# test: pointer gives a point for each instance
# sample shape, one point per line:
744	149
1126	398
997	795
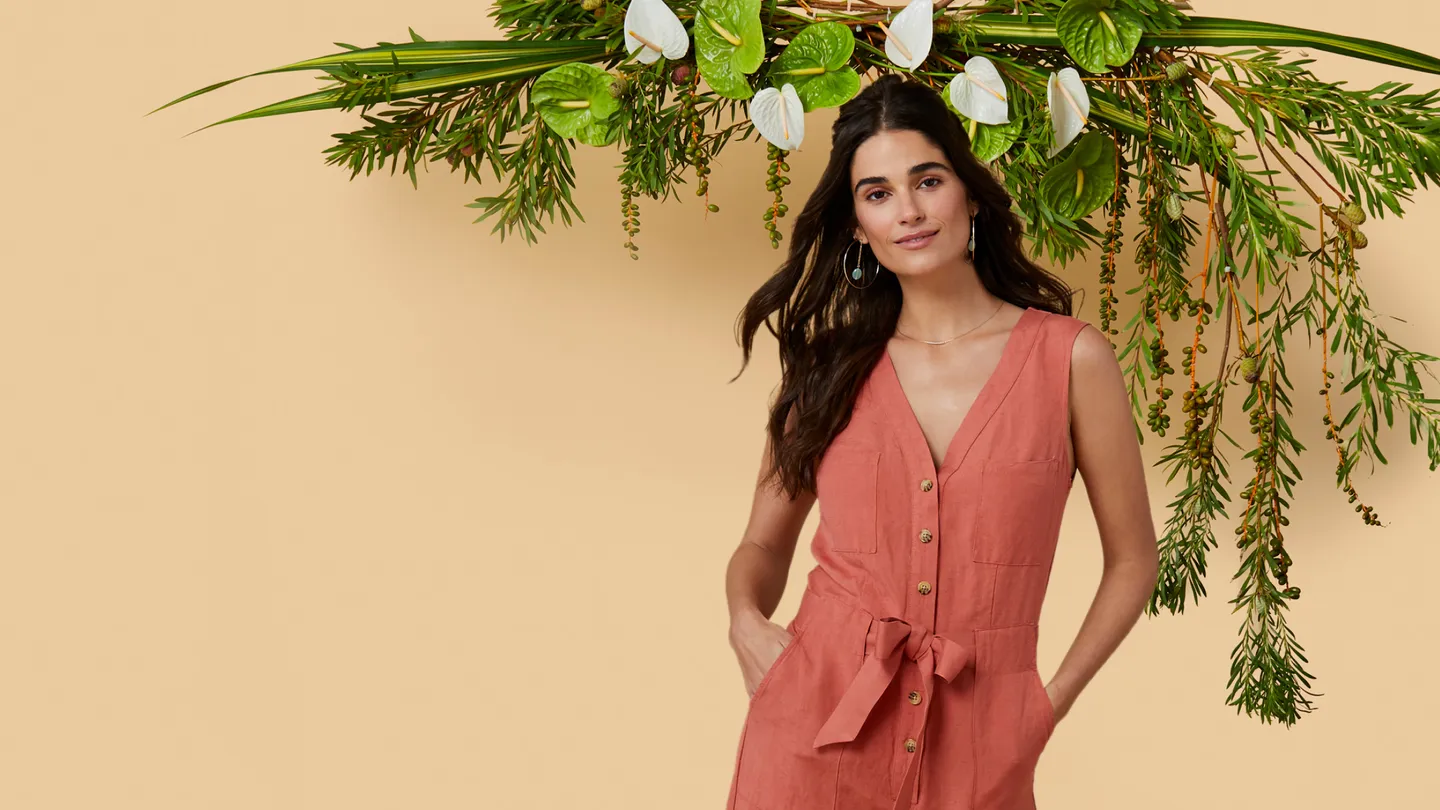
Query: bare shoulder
1092	351
1097	383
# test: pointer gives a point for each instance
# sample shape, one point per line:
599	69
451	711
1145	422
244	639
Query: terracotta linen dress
911	679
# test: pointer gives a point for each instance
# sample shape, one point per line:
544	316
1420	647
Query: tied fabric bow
934	654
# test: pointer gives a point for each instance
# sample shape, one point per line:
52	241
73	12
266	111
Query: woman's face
902	184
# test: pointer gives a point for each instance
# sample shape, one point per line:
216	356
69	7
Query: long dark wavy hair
831	334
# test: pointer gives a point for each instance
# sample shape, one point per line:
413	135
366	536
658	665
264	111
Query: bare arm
758	570
1107	454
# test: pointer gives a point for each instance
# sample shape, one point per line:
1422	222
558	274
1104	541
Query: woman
937	399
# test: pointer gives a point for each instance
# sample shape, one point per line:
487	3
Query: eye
871	196
932	177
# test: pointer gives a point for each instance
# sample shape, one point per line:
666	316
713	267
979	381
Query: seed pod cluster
1367	512
776	182
693	127
1110	250
1280	561
1158	419
1200	311
631	211
1199	446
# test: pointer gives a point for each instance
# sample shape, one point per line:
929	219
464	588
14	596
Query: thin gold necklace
962	334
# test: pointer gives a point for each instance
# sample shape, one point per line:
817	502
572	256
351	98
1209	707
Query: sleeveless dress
911	678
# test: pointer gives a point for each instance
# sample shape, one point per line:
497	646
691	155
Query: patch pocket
1018	511
847	489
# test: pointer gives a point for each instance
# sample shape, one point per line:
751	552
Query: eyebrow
918	168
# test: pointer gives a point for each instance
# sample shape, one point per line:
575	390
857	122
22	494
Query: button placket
922	602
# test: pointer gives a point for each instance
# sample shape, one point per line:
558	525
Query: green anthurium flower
1096	34
575	101
728	44
1084	180
817	62
990	141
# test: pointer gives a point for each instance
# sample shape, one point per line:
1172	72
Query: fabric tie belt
934	654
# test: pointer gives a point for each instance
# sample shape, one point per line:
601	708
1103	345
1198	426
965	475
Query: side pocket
1018	511
1047	709
779	768
1009	736
846	484
776	664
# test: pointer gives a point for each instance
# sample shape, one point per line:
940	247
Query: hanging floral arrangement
1074	103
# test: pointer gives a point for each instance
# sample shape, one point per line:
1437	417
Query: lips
919	240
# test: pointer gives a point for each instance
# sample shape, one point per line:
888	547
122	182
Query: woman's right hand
757	642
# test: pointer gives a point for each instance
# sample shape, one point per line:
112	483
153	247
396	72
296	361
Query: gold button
923	587
910	744
926	536
926	484
915	697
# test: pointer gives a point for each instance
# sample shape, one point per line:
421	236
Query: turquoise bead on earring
855	274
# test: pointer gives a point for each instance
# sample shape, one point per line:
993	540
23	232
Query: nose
909	208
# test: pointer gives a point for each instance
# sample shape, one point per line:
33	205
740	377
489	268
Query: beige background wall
315	495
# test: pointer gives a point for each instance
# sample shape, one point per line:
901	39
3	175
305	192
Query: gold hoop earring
856	272
972	237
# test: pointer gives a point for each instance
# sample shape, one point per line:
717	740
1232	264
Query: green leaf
729	45
817	62
1096	34
990	141
987	141
575	101
1083	181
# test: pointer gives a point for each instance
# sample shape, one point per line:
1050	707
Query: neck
944	302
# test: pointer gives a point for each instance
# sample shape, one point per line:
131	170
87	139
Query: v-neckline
979	411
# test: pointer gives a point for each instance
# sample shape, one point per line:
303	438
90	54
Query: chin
919	263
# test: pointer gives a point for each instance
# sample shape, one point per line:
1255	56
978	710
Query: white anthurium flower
1069	107
779	116
979	92
907	40
653	29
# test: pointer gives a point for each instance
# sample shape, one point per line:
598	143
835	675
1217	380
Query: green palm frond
412	69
